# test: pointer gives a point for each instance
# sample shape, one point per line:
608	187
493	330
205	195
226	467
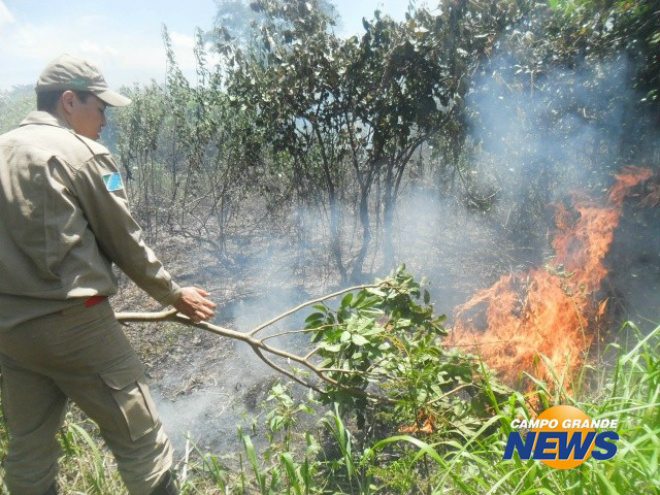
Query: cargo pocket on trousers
134	401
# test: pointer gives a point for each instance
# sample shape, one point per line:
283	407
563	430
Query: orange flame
425	423
543	322
624	182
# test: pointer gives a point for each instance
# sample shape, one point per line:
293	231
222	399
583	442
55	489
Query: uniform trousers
80	354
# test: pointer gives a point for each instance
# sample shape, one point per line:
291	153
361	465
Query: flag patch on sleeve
113	182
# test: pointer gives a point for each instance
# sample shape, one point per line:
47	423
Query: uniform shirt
64	219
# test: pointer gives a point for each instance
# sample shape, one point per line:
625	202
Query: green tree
189	158
15	104
356	109
240	21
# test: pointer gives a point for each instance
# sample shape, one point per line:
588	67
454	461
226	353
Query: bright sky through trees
123	36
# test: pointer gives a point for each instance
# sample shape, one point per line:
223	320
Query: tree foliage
388	341
14	106
352	112
305	120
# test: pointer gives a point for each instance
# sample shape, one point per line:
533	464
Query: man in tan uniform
64	219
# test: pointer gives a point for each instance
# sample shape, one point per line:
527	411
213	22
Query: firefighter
64	220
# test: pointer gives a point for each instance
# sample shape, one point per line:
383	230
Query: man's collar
39	117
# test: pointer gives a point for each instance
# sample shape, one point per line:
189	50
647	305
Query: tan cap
67	72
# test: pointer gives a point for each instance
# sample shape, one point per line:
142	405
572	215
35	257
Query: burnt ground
633	261
205	385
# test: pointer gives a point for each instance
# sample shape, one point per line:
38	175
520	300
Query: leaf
289	465
404	322
359	339
306	408
362	324
375	330
366	302
365	24
346	301
314	317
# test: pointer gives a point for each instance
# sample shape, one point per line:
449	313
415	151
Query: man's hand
194	305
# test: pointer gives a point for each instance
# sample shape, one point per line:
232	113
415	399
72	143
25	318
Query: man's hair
47	100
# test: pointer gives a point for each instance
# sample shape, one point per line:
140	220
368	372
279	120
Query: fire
626	181
425	423
543	322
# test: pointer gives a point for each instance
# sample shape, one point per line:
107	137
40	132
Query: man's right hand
194	304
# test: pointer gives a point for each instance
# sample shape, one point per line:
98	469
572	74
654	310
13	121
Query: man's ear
66	100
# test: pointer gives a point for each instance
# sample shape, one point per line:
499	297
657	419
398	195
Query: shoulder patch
113	182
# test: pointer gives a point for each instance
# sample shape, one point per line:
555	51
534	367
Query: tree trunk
388	217
366	233
335	240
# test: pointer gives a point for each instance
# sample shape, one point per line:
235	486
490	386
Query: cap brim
112	99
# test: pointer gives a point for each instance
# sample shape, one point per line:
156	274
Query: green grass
630	392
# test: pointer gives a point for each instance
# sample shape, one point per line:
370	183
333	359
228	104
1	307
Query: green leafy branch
381	344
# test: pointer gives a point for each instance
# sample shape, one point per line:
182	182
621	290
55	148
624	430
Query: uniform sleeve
100	191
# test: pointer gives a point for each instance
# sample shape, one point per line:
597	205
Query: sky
123	37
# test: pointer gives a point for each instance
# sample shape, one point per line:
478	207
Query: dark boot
52	490
167	486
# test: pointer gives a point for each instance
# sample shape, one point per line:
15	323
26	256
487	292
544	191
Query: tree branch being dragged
259	345
370	344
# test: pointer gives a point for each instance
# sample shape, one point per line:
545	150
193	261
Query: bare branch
310	303
259	346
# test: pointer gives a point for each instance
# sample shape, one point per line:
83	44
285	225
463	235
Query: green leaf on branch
388	342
